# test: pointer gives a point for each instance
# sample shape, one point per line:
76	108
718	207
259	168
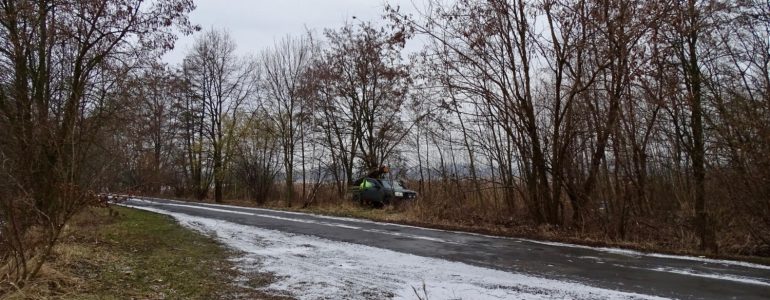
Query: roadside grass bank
123	253
417	215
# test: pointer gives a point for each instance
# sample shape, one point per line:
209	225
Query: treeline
304	112
640	121
635	121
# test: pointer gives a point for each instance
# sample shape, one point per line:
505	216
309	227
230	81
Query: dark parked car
381	192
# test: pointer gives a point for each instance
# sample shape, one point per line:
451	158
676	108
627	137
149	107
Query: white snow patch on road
313	268
741	279
634	253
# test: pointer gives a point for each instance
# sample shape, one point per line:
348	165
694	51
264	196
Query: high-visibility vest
365	184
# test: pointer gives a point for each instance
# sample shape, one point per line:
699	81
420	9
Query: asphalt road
659	275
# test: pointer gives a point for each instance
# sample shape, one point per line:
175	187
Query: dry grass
139	255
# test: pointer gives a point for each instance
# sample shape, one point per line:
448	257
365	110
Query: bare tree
258	161
365	86
285	66
222	82
152	126
192	120
66	60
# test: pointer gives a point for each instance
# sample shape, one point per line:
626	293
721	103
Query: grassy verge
133	254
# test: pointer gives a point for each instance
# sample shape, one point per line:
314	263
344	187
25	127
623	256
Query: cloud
257	24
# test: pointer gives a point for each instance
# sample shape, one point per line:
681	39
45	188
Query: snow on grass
313	268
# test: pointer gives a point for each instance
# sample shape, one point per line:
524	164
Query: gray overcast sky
256	24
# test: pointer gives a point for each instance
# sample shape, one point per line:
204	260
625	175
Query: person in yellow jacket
366	184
